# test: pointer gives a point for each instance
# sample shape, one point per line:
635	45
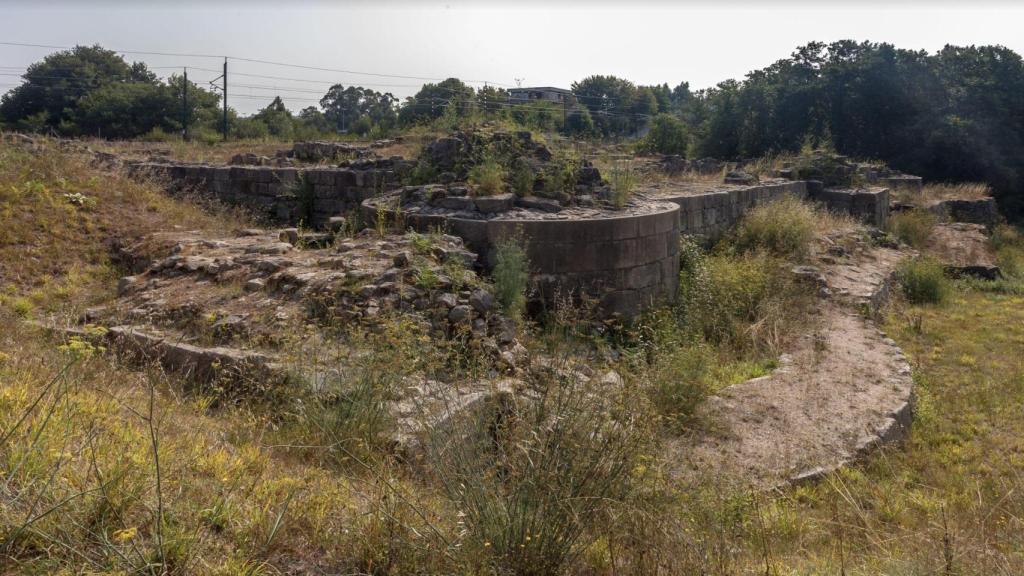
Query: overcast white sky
548	43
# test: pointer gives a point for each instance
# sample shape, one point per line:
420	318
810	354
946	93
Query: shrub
1005	235
532	477
488	178
668	135
678	379
559	176
745	301
924	281
1008	244
511	275
783	228
913	227
622	180
422	173
522	178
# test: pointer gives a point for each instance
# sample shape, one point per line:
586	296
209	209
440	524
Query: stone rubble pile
318	151
288	274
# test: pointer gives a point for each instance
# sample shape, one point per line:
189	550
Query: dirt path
842	391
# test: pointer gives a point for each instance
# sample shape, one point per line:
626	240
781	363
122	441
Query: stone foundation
712	214
973	211
627	263
284	195
870	206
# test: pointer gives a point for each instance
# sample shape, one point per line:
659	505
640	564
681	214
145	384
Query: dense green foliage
924	281
668	135
92	91
956	115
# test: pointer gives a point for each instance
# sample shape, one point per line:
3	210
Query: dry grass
62	217
932	193
949	502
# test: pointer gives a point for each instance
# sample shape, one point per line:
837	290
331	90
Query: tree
54	86
615	105
579	123
954	115
343	107
668	135
277	118
124	110
433	99
92	91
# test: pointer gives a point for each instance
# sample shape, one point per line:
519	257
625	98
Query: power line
258	61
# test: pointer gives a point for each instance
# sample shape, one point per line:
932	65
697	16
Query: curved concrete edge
625	262
895	427
891	430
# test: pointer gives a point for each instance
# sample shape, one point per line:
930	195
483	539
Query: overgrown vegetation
914	227
510	276
924	281
531	486
487	178
784	228
622	179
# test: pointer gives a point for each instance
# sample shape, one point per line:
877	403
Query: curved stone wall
714	212
625	262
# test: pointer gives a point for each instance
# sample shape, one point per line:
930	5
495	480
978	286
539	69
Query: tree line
91	91
955	115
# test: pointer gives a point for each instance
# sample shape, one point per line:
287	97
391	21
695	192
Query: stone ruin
216	307
320	151
580	242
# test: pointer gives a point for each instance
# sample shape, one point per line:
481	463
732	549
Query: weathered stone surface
495	203
536	203
738	177
460	314
482	301
973	211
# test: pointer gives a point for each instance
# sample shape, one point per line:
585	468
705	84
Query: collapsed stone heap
252	287
318	151
537	171
838	171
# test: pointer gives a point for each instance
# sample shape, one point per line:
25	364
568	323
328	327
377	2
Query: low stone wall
973	211
713	214
870	206
902	181
285	195
627	263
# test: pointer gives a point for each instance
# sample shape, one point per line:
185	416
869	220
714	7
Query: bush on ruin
912	227
924	281
668	135
533	476
487	178
784	228
510	276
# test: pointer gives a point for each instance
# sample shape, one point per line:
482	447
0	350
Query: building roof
542	89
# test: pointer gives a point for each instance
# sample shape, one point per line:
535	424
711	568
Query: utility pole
225	99
184	106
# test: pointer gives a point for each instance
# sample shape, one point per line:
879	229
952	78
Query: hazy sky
548	43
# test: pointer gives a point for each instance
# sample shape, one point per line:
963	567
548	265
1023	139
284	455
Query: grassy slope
950	501
78	475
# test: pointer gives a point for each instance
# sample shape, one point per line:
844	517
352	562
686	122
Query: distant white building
542	93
